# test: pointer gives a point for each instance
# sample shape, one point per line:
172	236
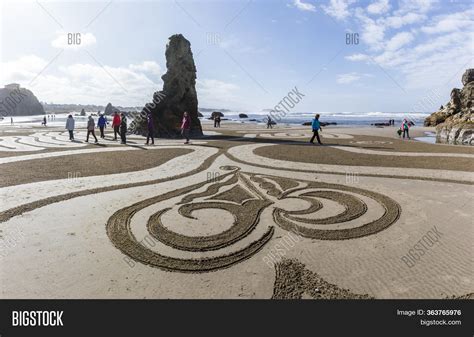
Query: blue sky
249	54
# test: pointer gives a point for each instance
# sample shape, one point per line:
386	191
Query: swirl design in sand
244	196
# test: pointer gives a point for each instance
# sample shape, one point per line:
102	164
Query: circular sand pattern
244	202
244	195
354	208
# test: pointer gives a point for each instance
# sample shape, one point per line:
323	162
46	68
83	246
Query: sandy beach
260	210
306	165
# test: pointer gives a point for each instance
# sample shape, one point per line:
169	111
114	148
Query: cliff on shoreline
16	101
455	121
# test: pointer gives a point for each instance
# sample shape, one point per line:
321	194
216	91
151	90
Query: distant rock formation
110	109
83	112
216	114
455	121
243	116
200	114
178	94
16	101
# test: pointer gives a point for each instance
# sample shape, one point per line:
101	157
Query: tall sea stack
178	94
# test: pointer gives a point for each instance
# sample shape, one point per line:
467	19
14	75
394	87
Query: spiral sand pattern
245	202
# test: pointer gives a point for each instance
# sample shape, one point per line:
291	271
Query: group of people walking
119	125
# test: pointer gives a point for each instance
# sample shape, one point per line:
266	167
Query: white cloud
374	30
398	21
21	70
71	41
416	6
449	23
214	93
338	9
149	67
357	57
350	77
441	51
373	33
378	7
82	82
399	40
304	6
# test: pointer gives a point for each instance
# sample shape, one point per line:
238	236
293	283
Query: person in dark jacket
151	129
116	124
101	123
70	124
90	129
269	122
123	128
217	121
316	126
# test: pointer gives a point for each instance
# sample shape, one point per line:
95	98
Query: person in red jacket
186	127
116	124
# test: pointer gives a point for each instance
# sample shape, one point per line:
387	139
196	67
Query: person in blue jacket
316	127
101	123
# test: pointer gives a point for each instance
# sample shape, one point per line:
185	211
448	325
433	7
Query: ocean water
342	119
429	137
346	119
35	120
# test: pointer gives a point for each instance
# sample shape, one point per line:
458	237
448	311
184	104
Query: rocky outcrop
468	76
216	114
83	112
455	120
16	101
243	116
178	94
110	109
